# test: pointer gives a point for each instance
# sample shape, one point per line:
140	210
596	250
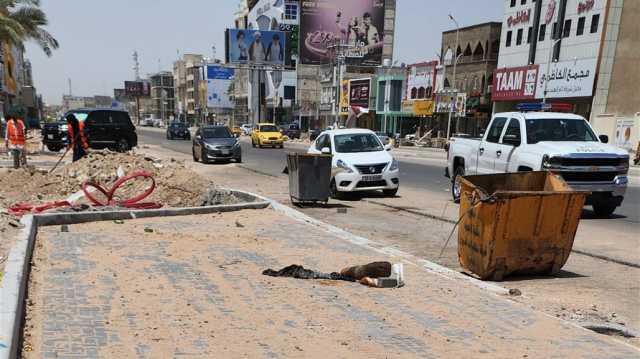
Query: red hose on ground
21	209
127	203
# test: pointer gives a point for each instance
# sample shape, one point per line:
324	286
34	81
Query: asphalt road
414	173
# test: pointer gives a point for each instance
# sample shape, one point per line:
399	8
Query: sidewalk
192	286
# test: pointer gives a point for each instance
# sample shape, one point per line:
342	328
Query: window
567	28
595	21
320	142
513	3
543	29
290	93
421	91
554	31
291	12
519	37
529	34
382	87
523	2
513	130
581	22
509	35
496	129
414	93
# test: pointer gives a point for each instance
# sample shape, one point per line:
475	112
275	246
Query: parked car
107	128
313	134
246	129
384	138
538	141
266	134
54	135
213	143
178	130
360	161
292	131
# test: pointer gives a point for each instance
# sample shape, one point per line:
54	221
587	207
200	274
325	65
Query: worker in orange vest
15	140
77	137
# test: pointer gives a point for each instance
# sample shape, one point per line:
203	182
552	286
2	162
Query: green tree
22	21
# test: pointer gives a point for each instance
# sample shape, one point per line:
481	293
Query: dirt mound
176	186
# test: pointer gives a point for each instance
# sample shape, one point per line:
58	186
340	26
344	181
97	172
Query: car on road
360	162
215	143
178	130
107	128
313	134
54	135
246	129
384	138
267	134
292	131
545	141
236	131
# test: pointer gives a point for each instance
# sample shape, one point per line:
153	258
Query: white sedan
360	161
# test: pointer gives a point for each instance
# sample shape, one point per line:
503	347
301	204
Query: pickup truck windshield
552	129
357	142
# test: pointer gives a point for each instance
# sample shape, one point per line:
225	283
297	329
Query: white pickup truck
534	141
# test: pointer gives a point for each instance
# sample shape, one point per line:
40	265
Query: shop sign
344	98
515	83
359	91
585	6
407	107
573	78
521	17
423	107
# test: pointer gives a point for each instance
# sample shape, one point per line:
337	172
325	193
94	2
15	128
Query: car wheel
239	159
603	210
193	153
203	159
54	148
253	144
123	145
455	184
390	192
333	191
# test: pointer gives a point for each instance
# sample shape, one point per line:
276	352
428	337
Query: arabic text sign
567	79
515	83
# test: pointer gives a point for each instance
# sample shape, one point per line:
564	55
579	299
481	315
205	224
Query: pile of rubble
176	186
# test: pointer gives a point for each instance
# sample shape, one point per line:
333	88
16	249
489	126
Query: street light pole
455	63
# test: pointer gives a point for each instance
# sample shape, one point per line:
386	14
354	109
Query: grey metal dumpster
309	177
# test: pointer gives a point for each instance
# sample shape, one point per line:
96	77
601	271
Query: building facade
187	78
474	49
162	95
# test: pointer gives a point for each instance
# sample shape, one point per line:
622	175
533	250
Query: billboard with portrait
256	47
358	23
219	87
359	92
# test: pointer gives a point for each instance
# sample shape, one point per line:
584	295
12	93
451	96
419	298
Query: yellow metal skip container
517	223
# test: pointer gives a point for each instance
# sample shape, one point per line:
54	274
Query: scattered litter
515	292
238	224
118	221
215	196
376	274
64	228
148	230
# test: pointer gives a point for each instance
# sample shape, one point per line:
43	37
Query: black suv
107	128
178	130
54	135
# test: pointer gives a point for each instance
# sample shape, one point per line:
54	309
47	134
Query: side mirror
388	147
198	137
512	140
326	151
604	138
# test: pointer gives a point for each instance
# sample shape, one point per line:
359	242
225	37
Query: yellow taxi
236	131
267	134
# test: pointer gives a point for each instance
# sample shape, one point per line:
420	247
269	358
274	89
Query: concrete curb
366	243
14	284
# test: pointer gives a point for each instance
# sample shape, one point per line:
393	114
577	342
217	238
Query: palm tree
23	20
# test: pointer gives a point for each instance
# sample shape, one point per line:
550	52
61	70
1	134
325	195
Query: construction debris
376	274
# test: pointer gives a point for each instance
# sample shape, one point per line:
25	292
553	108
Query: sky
97	38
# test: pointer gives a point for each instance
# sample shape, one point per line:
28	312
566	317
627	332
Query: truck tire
455	185
603	210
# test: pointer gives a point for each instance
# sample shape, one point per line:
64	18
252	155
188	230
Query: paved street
587	289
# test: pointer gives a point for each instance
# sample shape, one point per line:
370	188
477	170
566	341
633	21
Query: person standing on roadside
77	138
15	140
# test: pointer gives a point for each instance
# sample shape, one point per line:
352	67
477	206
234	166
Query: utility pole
70	90
136	66
455	63
340	51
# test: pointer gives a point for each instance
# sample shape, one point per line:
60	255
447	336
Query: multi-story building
474	52
187	75
578	52
616	108
162	96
